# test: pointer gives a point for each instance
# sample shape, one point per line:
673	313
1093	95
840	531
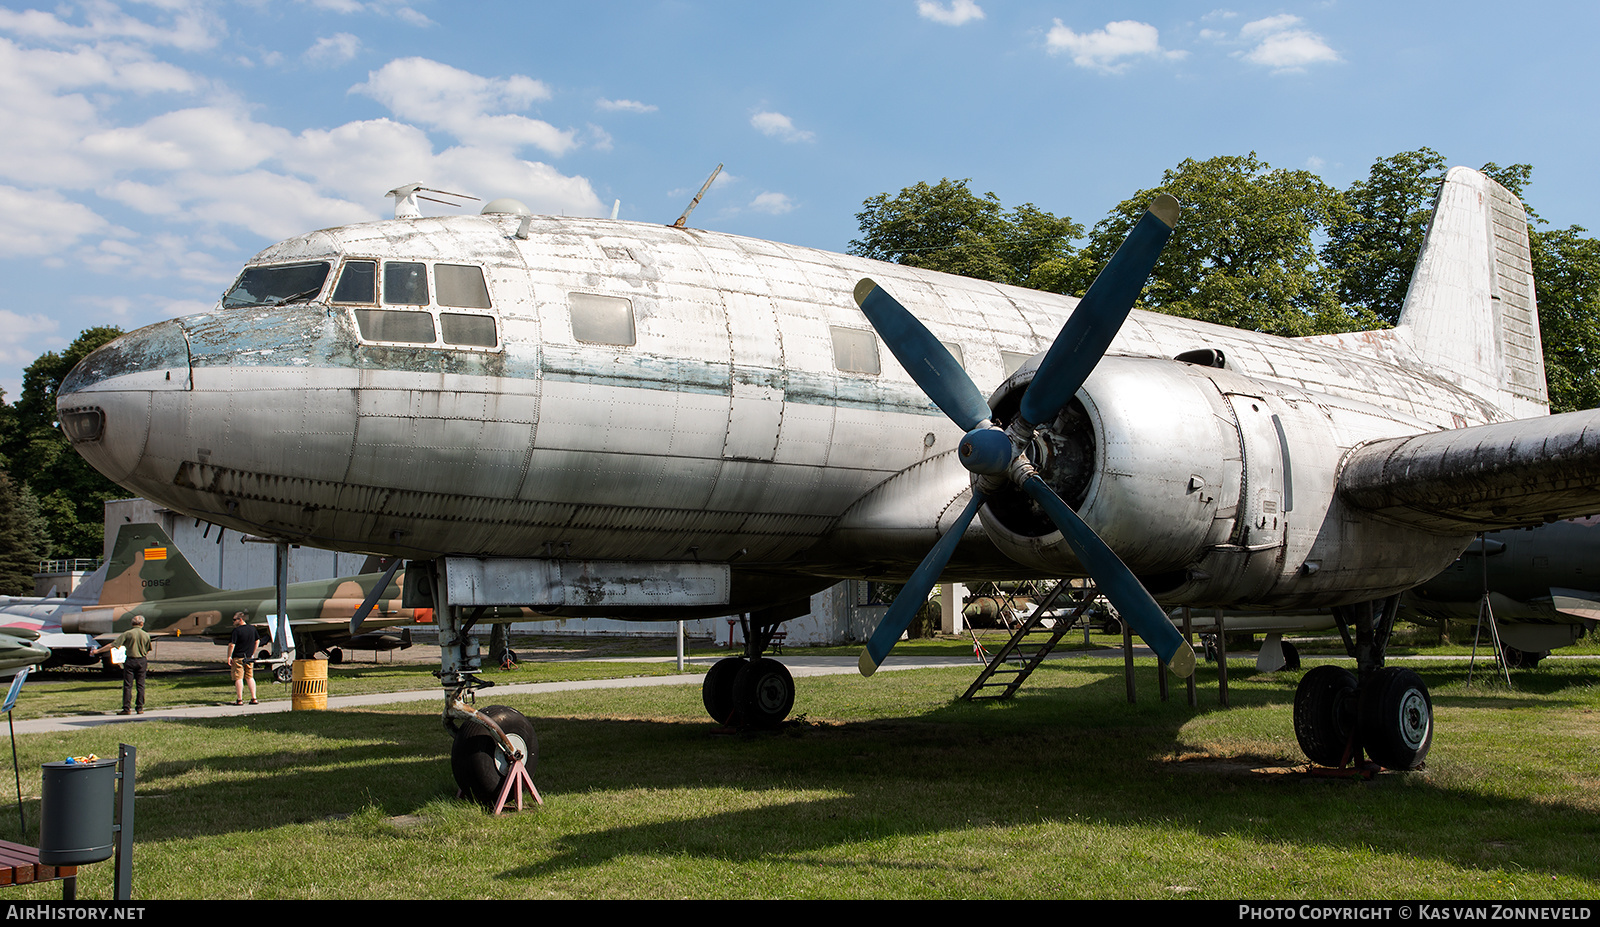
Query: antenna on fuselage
684	219
406	196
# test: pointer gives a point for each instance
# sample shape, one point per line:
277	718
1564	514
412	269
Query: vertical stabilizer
147	567
1470	313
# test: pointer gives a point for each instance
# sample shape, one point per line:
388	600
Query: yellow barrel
309	690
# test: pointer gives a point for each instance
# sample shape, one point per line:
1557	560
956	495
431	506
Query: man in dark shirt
242	657
136	653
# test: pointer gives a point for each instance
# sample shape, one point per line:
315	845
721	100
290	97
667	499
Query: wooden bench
19	865
778	637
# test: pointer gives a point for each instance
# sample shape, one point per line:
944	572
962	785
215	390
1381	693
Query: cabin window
405	283
955	352
460	286
358	283
395	325
277	284
474	331
855	350
601	319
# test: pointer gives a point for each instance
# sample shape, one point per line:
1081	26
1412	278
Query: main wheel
1524	659
284	673
763	693
1396	718
1324	713
477	760
716	690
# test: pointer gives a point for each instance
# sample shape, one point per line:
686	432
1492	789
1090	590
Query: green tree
23	537
1244	253
70	493
949	228
1373	244
1566	273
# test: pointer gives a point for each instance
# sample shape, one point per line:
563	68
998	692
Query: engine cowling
1146	454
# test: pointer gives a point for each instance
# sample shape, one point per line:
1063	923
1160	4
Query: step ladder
1016	660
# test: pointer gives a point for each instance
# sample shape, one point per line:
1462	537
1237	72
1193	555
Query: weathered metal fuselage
744	424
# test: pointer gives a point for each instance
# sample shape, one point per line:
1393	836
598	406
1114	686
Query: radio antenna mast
684	219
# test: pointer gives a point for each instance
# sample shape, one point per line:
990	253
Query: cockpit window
396	325
405	283
473	331
277	284
460	286
358	283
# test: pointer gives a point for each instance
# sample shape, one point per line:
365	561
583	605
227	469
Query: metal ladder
1014	662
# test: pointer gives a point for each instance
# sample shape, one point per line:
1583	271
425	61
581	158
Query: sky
150	148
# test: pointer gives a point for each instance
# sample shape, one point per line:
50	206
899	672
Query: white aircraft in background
593	417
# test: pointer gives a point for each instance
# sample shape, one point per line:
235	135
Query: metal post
1222	662
1188	638
680	646
1127	657
123	887
281	555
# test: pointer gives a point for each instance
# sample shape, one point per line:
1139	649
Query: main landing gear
1384	711
751	691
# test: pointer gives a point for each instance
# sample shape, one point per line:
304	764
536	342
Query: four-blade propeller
997	456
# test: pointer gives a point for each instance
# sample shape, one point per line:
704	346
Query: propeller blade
921	354
1115	581
1089	330
915	593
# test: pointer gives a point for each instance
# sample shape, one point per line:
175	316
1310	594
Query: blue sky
152	147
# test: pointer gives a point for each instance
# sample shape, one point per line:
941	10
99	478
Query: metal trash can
77	822
310	692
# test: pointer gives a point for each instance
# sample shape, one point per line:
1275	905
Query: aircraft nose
105	403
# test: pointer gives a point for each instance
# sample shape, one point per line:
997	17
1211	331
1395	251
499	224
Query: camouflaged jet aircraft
593	417
148	575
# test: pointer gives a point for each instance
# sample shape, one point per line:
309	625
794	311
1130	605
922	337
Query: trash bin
310	691
78	802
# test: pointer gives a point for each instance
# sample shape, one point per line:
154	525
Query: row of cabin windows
596	319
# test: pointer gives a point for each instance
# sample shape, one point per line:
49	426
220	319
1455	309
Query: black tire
1524	659
1291	656
716	690
1396	718
284	673
477	761
763	693
1324	713
335	656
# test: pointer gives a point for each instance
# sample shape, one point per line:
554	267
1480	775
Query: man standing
242	658
135	662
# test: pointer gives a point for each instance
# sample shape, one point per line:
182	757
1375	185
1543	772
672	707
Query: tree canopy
1261	248
70	493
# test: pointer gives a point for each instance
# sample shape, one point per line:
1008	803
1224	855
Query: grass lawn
882	788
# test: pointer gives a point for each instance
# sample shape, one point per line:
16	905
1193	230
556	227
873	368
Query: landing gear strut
751	691
1384	711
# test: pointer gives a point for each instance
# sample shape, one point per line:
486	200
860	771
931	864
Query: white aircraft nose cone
104	403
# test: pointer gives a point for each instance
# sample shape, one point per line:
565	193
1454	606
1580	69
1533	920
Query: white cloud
955	13
333	49
192	25
466	105
779	126
43	222
1108	49
775	204
1281	44
624	106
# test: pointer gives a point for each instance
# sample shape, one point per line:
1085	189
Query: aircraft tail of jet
1471	313
147	567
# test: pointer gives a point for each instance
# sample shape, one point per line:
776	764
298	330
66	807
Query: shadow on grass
1061	757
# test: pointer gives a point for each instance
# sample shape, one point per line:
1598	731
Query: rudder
147	567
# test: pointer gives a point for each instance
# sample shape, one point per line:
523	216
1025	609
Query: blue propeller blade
1115	581
1091	327
915	593
921	354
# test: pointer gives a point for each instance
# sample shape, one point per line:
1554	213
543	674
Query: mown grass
885	788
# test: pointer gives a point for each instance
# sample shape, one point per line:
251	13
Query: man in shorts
242	658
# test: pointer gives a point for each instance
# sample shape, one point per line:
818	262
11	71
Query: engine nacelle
1213	487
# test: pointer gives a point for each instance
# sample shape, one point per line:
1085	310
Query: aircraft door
755	414
1259	530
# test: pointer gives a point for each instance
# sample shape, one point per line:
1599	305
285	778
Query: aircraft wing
1485	477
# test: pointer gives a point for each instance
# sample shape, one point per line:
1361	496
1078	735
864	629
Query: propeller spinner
996	457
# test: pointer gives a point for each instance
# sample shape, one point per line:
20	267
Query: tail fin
1470	312
147	567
